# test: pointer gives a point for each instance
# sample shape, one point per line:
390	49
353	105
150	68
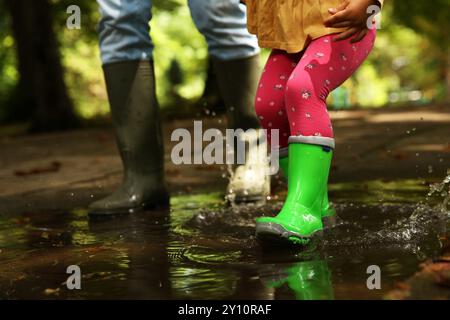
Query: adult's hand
351	14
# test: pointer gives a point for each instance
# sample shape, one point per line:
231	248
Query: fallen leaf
446	149
50	291
400	156
45	235
442	278
52	167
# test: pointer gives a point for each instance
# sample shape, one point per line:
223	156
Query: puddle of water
202	249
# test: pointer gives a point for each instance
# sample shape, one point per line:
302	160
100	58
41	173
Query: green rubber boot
329	218
309	280
135	115
301	215
284	165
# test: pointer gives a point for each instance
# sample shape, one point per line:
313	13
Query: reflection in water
203	249
142	241
309	280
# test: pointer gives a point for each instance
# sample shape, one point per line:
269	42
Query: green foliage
178	45
430	18
177	39
411	53
8	71
168	5
81	58
89	18
405	61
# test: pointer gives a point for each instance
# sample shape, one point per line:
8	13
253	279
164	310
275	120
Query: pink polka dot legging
293	88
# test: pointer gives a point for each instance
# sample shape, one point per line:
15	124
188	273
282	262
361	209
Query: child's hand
352	14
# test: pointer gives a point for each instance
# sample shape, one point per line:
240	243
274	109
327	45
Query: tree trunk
41	86
447	78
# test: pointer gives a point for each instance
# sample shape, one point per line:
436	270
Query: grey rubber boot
250	182
238	81
135	115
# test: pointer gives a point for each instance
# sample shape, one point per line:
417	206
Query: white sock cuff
316	140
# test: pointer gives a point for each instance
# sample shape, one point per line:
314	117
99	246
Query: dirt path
66	170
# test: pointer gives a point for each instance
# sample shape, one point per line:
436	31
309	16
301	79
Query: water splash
415	227
441	190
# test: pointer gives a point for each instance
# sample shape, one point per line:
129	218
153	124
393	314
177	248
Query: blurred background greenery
410	64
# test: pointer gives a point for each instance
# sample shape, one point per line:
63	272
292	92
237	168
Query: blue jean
125	32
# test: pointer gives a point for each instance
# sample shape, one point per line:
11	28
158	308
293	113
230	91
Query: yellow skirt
289	25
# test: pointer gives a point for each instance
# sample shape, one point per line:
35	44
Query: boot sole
111	213
276	234
248	199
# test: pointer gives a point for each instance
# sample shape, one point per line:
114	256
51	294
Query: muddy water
204	249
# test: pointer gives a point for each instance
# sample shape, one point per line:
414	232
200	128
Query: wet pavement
202	248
